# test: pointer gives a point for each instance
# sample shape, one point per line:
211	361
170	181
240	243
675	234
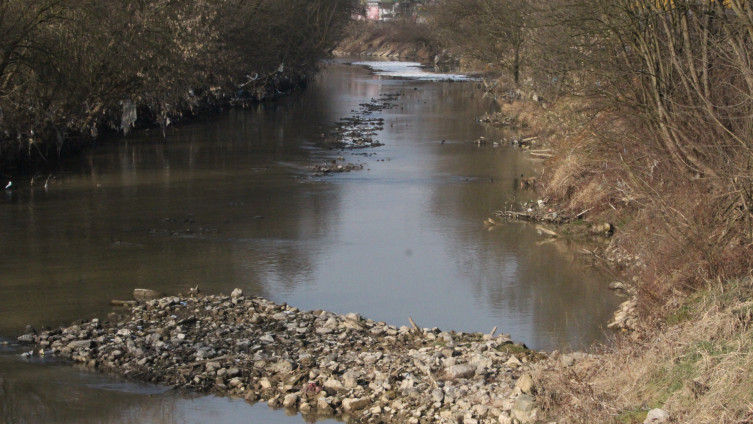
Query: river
230	201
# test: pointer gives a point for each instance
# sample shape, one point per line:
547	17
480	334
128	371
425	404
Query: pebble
317	362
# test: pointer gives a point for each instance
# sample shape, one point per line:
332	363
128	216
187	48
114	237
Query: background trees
492	31
70	68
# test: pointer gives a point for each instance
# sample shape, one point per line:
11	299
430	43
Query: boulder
525	384
524	409
355	404
455	372
26	338
656	416
80	344
290	400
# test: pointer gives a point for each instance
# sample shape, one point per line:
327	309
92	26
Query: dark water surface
230	202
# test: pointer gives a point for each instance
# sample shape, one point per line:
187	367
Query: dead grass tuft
698	369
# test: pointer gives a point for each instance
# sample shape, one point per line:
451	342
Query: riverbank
315	362
394	40
683	346
64	90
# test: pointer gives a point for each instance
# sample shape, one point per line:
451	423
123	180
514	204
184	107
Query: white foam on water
410	70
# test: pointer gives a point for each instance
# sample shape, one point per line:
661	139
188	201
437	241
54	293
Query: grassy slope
697	367
691	352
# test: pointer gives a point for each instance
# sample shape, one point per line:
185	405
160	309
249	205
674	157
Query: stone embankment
316	362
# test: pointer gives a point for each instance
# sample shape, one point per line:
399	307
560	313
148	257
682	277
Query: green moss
682	314
636	415
521	351
632	416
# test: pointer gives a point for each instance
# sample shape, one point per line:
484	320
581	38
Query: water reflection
50	393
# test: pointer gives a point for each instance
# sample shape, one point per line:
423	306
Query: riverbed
232	201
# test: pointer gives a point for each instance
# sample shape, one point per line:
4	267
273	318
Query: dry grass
694	356
698	369
407	40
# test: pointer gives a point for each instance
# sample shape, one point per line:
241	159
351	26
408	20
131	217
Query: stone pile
360	130
333	166
316	362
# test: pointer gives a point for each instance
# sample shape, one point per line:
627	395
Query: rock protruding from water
316	362
143	295
360	130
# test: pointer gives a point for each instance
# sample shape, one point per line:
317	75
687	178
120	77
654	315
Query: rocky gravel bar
316	362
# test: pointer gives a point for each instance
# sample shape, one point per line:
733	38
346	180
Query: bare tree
489	30
69	68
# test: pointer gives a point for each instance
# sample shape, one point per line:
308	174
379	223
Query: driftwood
541	155
143	295
526	216
547	231
534	215
413	324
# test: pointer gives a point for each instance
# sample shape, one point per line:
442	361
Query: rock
265	383
267	338
334	384
275	402
324	406
513	362
290	400
567	360
656	416
455	372
26	338
236	293
480	361
144	295
350	380
504	418
355	404
479	410
317	361
525	384
283	367
524	409
80	344
604	228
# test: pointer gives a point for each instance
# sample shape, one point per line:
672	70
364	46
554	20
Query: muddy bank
382	47
403	40
315	362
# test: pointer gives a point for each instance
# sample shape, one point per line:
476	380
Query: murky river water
230	202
